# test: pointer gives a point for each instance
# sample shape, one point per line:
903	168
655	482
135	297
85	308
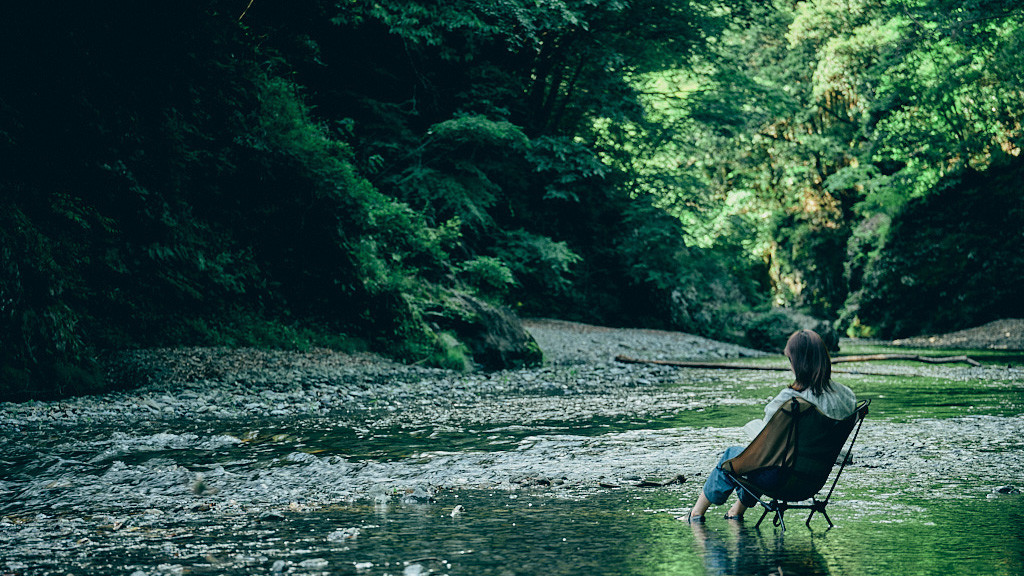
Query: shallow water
540	480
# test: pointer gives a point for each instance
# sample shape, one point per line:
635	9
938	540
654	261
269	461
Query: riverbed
238	462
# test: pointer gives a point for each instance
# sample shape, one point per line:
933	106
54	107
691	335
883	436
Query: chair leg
819	506
827	519
761	519
780	519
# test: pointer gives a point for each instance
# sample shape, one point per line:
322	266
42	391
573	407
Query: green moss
451	354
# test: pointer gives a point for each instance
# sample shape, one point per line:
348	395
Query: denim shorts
719	486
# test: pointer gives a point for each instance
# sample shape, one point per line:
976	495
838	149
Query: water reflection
739	549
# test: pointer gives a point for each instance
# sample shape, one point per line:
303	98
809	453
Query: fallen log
914	357
726	366
679	479
711	365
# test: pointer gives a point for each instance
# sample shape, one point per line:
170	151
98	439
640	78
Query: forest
385	175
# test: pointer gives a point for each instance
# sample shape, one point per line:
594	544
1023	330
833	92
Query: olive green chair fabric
793	457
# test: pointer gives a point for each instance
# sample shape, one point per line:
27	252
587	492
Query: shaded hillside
953	259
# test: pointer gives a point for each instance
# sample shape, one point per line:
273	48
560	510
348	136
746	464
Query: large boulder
493	336
769	331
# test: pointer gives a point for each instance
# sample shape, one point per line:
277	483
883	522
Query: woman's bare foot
696	513
736	512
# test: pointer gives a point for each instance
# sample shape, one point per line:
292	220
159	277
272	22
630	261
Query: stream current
373	468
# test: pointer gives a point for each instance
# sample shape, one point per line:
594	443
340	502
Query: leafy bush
489	275
770	330
539	265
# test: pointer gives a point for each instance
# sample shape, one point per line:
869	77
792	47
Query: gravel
240	444
222	383
1006	334
197	383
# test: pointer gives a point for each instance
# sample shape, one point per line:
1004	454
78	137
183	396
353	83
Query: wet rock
659	483
200	487
531	481
343	534
1008	490
417	495
314	564
271	516
249	560
379	494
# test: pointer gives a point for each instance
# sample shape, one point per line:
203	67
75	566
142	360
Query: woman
812	367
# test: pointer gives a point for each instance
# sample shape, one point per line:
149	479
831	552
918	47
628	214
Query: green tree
813	124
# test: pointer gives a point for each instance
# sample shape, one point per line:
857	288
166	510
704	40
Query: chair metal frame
779	505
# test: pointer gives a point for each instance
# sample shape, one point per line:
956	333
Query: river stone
343	534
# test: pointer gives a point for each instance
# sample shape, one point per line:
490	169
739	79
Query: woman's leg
718	486
698	510
737	510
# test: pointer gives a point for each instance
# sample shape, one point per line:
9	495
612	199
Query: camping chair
793	456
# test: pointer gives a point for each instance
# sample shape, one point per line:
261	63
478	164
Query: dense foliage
165	187
950	255
815	123
328	174
365	174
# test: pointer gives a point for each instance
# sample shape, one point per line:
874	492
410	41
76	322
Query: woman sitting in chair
812	366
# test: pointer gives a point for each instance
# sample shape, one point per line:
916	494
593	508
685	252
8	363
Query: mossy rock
494	337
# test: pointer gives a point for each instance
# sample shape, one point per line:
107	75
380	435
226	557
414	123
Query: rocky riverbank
239	383
256	446
1006	334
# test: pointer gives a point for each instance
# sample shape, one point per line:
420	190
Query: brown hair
808	356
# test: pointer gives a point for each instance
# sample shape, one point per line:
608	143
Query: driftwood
915	357
679	479
711	365
837	359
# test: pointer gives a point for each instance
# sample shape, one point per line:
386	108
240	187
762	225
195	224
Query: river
402	471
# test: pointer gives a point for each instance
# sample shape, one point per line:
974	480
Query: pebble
343	534
417	495
314	564
240	383
138	462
